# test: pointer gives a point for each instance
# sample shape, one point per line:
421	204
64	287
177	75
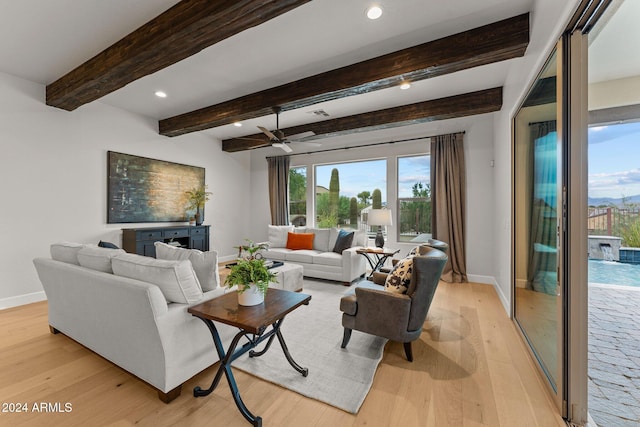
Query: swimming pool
614	273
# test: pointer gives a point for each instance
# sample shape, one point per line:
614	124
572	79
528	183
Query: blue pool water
614	273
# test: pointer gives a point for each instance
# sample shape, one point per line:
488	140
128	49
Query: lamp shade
379	217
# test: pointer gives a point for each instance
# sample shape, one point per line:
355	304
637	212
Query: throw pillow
414	251
344	241
97	258
278	235
400	276
108	245
205	264
321	239
176	279
66	252
296	241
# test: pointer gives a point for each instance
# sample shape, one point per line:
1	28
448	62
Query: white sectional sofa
321	261
95	298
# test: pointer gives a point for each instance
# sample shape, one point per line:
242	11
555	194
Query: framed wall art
140	189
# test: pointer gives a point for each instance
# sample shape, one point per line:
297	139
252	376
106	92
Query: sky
356	177
614	160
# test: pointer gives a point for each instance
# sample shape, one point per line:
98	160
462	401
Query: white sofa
125	320
320	261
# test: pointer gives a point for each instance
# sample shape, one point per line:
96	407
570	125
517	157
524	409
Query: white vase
252	296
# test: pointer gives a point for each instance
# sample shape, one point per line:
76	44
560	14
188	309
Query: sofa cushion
278	235
328	258
344	240
303	255
279	254
321	239
296	241
205	264
176	279
66	252
399	278
97	258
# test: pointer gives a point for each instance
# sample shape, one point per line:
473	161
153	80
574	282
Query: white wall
614	93
53	179
478	155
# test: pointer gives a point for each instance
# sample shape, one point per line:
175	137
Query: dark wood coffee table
253	323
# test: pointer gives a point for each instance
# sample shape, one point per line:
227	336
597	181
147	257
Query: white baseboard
22	300
227	258
503	298
490	280
476	278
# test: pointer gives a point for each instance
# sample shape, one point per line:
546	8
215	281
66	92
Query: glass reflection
536	219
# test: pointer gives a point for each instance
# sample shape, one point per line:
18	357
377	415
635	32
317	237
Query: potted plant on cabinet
252	278
197	198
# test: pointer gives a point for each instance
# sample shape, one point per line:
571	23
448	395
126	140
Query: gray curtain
448	198
279	189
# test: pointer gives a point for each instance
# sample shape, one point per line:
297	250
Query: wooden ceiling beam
179	32
468	104
491	43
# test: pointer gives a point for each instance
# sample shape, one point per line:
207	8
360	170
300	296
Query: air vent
321	113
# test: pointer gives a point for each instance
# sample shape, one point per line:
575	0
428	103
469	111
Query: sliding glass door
538	195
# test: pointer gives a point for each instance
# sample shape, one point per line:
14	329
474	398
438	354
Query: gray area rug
313	334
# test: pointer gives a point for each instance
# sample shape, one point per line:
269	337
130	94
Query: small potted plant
250	275
197	198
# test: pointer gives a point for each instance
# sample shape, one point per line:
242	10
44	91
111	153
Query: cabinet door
146	248
199	238
199	242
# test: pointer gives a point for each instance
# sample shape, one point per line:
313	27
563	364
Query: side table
253	322
376	257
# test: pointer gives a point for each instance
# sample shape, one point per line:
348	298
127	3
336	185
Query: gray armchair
430	243
398	317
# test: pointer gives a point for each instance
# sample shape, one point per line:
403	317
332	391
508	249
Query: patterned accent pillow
414	251
399	278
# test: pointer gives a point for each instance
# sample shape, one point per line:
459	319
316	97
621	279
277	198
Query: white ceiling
41	40
613	48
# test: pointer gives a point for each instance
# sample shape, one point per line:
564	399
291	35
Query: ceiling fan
278	139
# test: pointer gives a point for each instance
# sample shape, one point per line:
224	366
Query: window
298	196
346	191
414	198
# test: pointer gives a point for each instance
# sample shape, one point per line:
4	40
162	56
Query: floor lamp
379	217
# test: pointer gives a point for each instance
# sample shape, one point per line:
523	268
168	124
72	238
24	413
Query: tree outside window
414	197
298	196
344	192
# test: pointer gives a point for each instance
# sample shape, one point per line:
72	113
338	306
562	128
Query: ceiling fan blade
308	143
301	135
268	133
285	147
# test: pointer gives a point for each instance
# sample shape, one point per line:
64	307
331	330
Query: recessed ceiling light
405	85
161	94
237	124
374	12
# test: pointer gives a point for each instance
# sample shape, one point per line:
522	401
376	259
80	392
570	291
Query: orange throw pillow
300	240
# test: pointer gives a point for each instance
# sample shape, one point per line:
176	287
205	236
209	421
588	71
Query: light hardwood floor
470	369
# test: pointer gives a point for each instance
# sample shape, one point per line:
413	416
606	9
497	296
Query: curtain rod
363	146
